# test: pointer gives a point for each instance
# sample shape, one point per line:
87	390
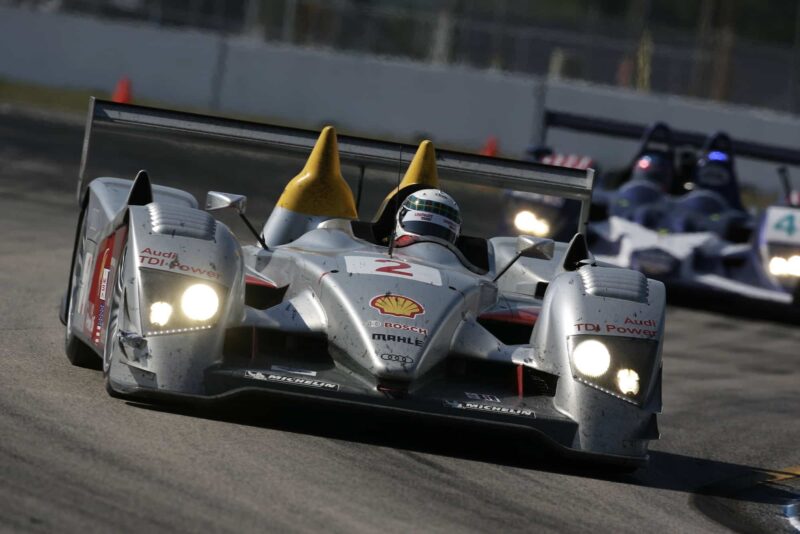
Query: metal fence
606	51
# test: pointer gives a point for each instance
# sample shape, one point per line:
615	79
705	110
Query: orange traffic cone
490	147
122	92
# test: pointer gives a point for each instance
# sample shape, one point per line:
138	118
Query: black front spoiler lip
553	433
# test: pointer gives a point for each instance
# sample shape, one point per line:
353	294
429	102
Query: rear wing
629	130
365	153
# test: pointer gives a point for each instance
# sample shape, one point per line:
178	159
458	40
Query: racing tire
112	335
78	353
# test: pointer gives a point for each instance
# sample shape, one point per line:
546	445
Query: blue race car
678	216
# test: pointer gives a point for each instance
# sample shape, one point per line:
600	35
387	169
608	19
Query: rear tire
78	353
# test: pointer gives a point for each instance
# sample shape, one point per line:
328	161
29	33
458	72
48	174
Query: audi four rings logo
399	358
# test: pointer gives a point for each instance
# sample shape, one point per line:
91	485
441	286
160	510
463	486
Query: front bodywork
413	338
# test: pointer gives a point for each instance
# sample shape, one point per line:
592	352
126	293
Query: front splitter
555	433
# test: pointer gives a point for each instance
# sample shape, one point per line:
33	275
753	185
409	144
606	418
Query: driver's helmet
429	213
654	168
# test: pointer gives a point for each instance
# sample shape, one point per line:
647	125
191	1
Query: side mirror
535	247
540	248
216	200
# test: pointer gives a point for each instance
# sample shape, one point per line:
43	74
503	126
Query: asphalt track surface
74	459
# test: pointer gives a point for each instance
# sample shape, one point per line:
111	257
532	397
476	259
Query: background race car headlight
782	261
591	358
175	303
199	302
631	368
528	223
780	266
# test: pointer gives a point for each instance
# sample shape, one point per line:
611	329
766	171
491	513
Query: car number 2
399	267
392	267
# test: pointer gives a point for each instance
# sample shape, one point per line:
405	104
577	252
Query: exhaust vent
614	283
168	219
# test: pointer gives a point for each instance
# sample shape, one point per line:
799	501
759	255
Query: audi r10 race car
681	220
519	333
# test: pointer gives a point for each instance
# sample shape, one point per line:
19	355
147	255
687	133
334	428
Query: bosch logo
399	358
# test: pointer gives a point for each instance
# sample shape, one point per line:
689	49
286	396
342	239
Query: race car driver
427	215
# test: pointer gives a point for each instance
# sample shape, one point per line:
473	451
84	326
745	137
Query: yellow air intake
319	190
423	167
421	171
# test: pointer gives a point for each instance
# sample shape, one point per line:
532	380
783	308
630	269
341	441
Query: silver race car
520	333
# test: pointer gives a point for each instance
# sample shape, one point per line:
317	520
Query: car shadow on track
666	470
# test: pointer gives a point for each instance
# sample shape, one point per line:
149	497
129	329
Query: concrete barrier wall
375	97
389	99
455	106
681	113
81	52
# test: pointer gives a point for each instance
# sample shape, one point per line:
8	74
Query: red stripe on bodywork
96	308
571	161
256	281
519	316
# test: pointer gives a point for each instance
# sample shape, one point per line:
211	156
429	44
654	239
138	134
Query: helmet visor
429	229
428	224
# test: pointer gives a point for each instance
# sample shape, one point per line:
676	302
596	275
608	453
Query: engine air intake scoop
320	190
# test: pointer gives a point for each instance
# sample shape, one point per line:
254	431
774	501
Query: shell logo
397	305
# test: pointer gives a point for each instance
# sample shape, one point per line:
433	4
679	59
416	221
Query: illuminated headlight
174	303
160	313
779	266
628	381
623	367
528	223
199	302
794	265
591	358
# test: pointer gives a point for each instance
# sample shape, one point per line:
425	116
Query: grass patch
28	94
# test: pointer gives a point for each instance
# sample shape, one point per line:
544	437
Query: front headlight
173	303
624	367
591	358
160	312
199	302
628	381
528	223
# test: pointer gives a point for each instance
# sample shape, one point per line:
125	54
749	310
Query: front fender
626	311
167	243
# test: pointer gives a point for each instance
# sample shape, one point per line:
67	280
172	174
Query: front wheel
78	353
112	335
